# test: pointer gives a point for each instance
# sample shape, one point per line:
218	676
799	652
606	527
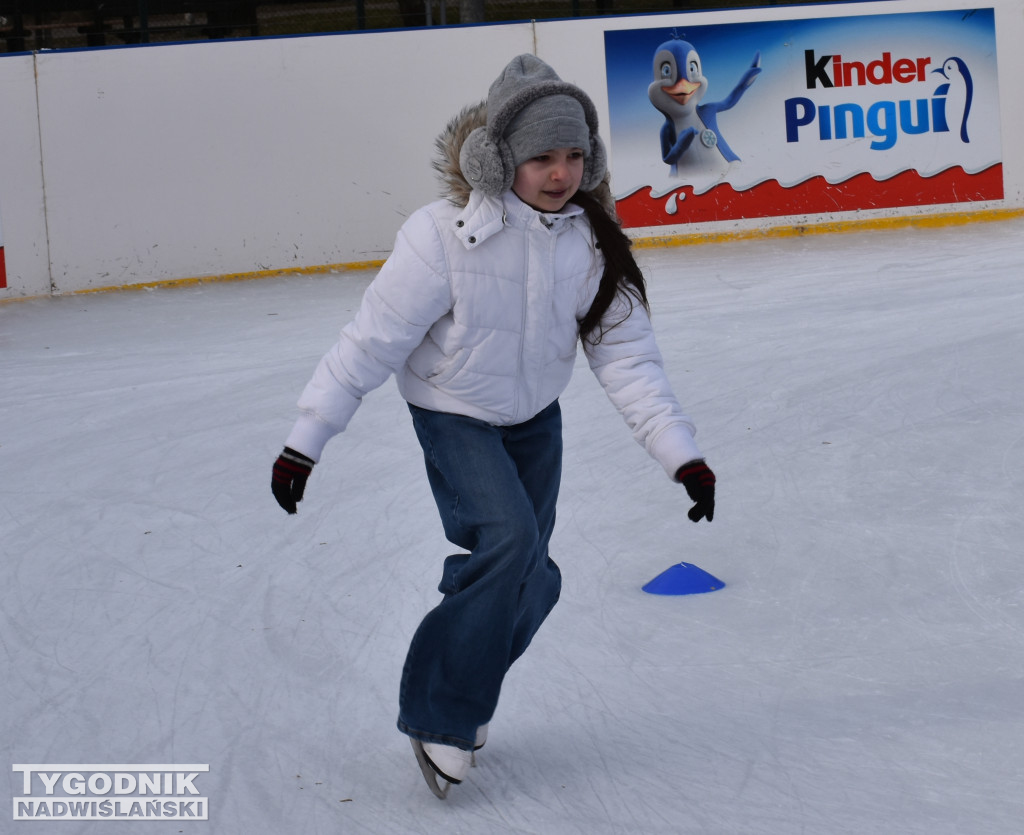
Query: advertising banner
773	118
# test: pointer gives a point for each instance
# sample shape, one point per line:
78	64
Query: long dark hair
621	273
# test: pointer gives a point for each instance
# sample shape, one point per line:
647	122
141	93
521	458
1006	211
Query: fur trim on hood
455	186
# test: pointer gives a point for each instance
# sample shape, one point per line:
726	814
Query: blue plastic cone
683	579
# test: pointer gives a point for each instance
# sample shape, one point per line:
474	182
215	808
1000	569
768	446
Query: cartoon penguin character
691	128
958	92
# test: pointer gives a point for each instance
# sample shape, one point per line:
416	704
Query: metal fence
28	25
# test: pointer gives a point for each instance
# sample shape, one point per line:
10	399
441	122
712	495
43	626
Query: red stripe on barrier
814	196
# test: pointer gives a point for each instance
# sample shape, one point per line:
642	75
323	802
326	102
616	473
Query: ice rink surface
861	399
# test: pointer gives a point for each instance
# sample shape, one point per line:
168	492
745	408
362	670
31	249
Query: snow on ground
859	396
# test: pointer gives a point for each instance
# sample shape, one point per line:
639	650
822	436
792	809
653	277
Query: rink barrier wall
151	165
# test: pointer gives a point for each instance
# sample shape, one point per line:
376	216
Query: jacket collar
485	216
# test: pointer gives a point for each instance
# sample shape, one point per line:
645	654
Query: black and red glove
699	482
291	469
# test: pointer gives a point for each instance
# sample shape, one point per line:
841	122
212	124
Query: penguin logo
678	87
958	91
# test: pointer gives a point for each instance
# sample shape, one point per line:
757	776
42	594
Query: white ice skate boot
446	762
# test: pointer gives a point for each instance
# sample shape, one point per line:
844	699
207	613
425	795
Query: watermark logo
52	792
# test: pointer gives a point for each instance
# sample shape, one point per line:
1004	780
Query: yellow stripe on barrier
353	266
840	226
247	276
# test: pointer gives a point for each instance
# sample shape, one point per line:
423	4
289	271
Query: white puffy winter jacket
476	312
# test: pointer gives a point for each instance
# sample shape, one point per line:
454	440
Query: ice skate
441	763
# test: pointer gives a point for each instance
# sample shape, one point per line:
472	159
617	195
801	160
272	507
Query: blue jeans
496	489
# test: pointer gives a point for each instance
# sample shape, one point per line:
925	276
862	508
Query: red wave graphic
814	196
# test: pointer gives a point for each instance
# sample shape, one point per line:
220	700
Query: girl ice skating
478	313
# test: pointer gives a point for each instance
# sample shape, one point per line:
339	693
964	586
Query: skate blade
429	774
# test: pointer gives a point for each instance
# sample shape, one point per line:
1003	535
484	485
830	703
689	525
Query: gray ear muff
486	163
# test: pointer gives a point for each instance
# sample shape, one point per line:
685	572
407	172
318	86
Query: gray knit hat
531	110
